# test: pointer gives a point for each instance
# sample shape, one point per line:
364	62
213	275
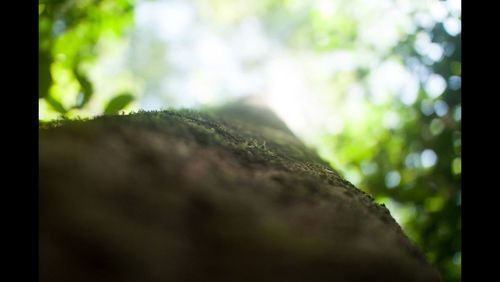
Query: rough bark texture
228	195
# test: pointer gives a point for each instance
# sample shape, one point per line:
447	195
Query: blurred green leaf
44	75
118	103
86	88
69	32
56	105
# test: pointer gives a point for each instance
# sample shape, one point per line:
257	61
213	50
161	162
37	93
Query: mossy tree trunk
224	195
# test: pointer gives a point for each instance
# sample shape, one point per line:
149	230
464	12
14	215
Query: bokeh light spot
428	158
455	82
437	126
369	167
457	114
453	26
457	258
456	166
427	108
441	108
435	85
392	179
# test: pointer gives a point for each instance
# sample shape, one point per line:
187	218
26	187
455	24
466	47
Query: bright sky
179	54
208	64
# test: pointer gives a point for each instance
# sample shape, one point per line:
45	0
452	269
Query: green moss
252	144
205	182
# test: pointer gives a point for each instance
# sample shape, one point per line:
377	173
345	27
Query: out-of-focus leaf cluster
69	31
409	156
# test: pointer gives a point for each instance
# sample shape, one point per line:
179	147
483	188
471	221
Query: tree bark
228	194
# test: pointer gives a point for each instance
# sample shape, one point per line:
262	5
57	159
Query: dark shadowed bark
225	195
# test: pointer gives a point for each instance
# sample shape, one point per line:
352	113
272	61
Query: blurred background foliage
69	33
374	86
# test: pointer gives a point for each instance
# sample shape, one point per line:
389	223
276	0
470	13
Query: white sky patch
438	10
354	106
250	40
392	78
180	56
391	120
381	34
435	85
334	124
287	93
327	8
339	60
435	52
171	19
203	87
201	58
215	54
381	23
424	20
453	26
410	84
454	7
426	47
150	103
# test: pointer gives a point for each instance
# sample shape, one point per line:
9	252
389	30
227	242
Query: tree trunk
225	195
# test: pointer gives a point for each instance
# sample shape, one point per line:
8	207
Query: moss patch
182	195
